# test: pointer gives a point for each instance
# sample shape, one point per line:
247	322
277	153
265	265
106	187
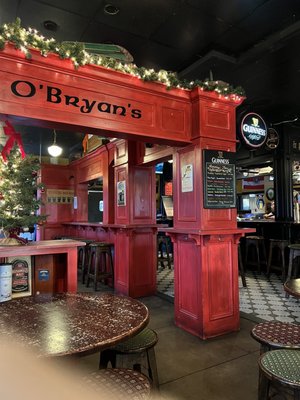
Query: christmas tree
19	204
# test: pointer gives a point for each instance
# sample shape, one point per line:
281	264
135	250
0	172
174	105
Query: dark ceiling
252	43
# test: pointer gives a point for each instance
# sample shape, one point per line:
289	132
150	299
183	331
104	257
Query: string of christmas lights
26	39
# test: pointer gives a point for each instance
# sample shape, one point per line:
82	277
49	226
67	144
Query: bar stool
163	241
280	368
258	244
142	344
241	266
118	384
280	246
100	263
294	253
274	335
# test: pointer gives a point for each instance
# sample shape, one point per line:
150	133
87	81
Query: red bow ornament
13	137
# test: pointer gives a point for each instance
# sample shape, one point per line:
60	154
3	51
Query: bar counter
271	229
44	248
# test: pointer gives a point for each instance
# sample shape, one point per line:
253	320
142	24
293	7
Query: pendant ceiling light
54	150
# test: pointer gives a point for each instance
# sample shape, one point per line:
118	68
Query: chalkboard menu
219	179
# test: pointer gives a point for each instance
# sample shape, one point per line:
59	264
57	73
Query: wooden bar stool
142	343
118	384
256	243
280	368
280	247
100	263
163	241
294	253
274	335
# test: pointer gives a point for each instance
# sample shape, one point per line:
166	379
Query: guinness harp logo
220	154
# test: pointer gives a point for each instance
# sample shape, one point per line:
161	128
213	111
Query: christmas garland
24	39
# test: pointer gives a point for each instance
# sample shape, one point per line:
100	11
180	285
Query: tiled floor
262	299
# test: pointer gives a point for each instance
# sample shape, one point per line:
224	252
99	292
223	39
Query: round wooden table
292	287
72	324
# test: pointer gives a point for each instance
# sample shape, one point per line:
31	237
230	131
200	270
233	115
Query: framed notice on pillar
21	275
121	193
219	179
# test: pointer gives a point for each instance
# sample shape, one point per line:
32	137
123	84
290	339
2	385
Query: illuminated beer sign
254	130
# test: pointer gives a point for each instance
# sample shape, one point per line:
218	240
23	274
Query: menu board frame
219	179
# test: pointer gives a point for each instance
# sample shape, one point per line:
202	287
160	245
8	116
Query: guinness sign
254	130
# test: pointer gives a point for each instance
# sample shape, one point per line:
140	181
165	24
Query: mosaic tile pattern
262	299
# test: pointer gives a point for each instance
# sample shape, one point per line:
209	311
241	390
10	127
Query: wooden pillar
135	233
205	239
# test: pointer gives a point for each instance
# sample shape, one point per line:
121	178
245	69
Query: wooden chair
280	246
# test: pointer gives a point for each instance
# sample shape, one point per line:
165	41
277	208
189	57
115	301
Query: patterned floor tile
263	298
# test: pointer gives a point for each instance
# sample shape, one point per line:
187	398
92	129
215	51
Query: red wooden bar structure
49	92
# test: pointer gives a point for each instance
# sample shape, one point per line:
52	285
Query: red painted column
135	232
205	240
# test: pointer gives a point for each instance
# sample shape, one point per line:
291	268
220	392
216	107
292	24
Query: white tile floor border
263	298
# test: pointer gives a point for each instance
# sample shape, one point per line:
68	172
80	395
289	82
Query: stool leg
263	387
152	368
283	265
107	356
168	253
258	258
83	267
241	267
96	269
289	271
296	394
89	268
269	260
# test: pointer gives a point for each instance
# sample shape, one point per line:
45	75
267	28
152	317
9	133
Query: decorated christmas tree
19	202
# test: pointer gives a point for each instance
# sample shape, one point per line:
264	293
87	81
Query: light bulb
54	150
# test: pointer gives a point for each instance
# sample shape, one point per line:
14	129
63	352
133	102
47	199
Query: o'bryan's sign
253	130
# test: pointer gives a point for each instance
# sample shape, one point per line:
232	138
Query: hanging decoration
26	39
13	138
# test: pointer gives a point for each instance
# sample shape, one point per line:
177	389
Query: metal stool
281	368
100	263
143	342
258	243
280	246
274	335
118	384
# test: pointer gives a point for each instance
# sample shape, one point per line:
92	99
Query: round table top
292	287
70	324
277	334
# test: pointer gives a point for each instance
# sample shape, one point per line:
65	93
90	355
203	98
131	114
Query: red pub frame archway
50	92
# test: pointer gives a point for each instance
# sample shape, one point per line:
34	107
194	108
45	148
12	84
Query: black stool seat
280	368
258	243
280	246
119	384
100	263
275	334
143	342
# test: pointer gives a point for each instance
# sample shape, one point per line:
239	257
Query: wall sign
219	179
121	193
21	276
253	130
187	178
272	140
